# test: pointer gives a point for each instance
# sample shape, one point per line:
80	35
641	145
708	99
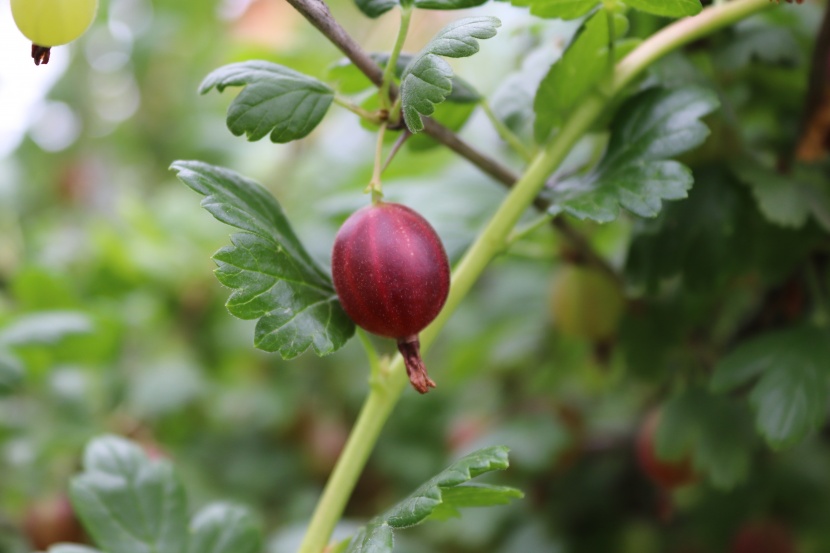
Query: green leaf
581	67
715	431
375	8
274	278
439	498
786	200
375	537
128	503
44	328
558	9
223	528
274	100
351	80
11	373
472	495
667	8
736	240
654	125
447	4
427	80
793	371
71	548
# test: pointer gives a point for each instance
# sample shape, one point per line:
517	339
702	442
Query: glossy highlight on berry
392	276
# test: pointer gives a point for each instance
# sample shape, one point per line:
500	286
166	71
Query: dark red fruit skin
390	270
668	475
50	521
763	536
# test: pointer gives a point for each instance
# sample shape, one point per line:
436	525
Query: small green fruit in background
53	22
586	303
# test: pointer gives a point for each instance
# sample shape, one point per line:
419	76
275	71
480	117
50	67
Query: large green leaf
715	431
667	8
224	528
128	503
792	368
274	100
274	278
427	79
439	498
635	173
577	72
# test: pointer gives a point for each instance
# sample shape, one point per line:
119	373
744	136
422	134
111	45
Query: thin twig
405	134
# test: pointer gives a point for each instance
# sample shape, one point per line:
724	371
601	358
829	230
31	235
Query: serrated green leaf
654	125
11	373
274	278
71	548
375	537
274	100
785	200
667	8
581	67
44	328
351	80
558	9
445	492
793	371
128	503
418	506
427	79
224	528
715	431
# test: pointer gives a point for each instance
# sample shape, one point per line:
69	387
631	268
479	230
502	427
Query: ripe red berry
666	474
50	521
392	276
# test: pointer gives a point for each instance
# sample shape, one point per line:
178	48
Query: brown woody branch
318	14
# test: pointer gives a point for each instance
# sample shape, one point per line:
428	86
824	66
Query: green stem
505	133
375	186
389	70
385	393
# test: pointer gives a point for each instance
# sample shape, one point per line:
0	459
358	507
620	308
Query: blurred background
113	322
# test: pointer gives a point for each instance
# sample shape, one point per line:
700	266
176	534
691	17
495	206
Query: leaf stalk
392	63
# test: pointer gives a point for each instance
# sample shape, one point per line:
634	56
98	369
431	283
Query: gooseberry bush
664	159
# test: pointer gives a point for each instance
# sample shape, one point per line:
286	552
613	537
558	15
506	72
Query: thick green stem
389	70
386	391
